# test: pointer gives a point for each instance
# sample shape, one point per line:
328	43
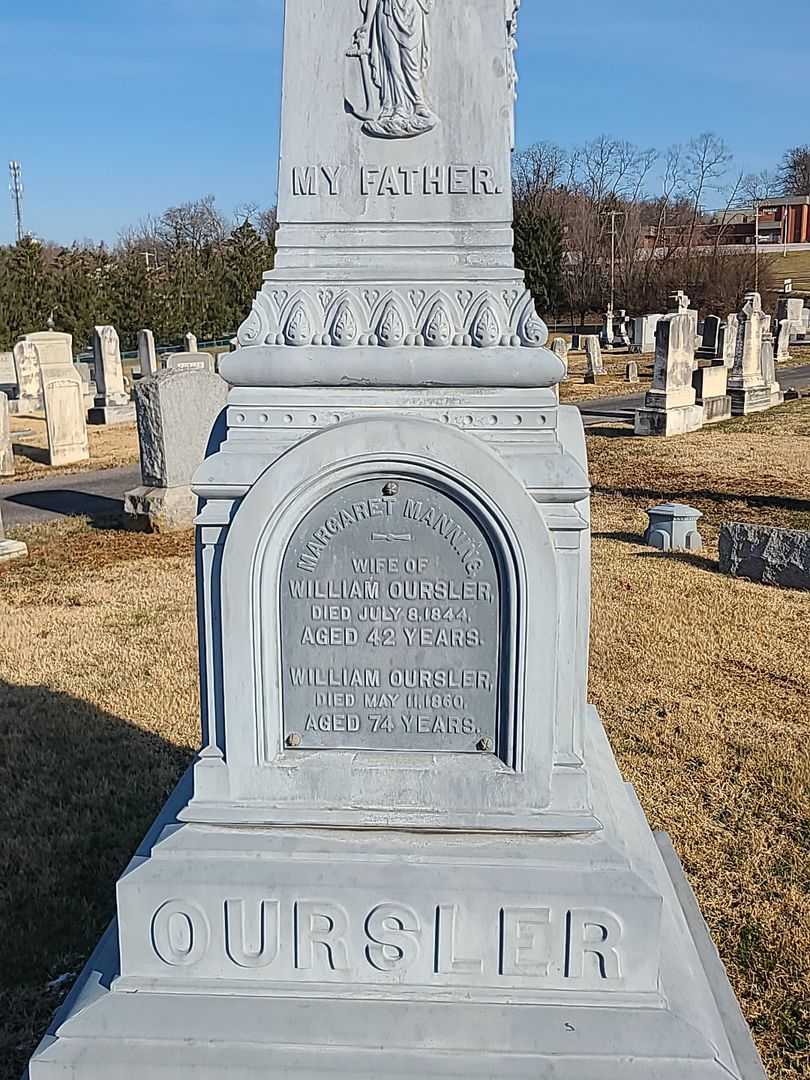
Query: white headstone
183	361
113	403
594	365
8	370
55	349
147	354
6	447
746	382
669	406
644	332
190	342
29	378
65	415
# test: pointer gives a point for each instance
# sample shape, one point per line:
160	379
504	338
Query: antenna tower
16	189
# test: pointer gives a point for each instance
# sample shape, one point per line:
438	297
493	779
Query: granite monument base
112	414
161	509
745	400
667	422
435	955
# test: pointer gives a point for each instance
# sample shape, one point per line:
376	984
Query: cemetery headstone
190	342
608	333
594	365
710	344
65	414
6	446
147	354
10	549
112	405
783	337
29	377
644	333
669	405
176	411
747	387
405	848
55	349
631	372
768	364
8	372
89	388
622	339
184	361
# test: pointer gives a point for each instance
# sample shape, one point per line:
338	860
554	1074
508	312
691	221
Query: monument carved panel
391	623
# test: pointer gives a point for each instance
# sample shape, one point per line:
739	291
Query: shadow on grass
604	431
768	502
38	454
102	511
700	562
80	788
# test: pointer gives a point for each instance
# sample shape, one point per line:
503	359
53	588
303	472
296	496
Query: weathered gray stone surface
761	553
631	371
190	361
176	412
6	449
710	381
673	527
147	354
29	377
190	342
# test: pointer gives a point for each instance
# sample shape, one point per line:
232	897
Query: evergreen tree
539	253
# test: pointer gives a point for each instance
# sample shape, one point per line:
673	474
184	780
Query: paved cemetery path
597	410
100	495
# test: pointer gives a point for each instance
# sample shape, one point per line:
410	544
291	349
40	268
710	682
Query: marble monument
405	849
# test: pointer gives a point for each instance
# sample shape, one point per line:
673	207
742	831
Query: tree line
585	227
192	268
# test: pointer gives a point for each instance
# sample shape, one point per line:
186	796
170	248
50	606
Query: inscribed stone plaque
8	372
391	623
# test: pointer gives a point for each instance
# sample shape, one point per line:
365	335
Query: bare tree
794	172
706	162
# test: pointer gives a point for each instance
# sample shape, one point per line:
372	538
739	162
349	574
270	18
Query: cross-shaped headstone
681	301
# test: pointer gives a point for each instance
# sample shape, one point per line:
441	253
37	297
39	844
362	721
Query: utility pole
16	189
613	214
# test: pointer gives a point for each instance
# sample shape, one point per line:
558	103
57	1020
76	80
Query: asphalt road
101	494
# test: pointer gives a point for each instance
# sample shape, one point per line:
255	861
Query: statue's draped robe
400	54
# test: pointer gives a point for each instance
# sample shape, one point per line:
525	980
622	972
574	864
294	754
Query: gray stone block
770	555
176	412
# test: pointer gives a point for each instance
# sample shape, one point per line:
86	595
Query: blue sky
119	110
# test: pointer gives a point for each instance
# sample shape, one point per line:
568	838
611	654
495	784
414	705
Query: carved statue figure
393	47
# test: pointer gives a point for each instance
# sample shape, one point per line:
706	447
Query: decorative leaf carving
486	326
531	329
391	325
298	330
438	325
344	325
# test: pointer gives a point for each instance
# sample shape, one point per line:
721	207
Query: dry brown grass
576	389
702	682
110	448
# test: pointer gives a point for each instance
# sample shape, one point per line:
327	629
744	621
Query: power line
16	189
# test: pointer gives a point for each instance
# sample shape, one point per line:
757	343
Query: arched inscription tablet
390	623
